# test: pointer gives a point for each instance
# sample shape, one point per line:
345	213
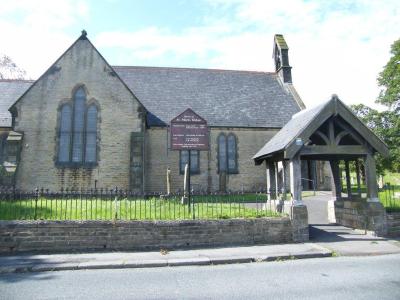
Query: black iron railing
389	195
118	204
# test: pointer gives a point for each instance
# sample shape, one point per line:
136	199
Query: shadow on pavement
21	264
337	233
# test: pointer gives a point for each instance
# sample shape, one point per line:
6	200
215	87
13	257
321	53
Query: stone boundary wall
361	215
59	236
393	224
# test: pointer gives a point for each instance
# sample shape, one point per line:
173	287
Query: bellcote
281	59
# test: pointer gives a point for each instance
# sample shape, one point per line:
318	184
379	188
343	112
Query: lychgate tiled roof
290	131
222	97
10	91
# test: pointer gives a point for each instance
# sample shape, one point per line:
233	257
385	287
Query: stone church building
86	124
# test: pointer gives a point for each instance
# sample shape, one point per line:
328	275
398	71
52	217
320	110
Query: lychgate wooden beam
358	126
291	149
333	150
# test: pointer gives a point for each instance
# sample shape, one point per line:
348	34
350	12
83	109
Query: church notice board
189	131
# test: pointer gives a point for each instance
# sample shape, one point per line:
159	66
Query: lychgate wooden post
348	179
370	176
276	180
358	178
268	179
295	180
336	182
271	180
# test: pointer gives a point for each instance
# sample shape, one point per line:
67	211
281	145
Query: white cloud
33	32
335	46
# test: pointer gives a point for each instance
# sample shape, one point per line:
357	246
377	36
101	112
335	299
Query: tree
386	124
389	80
9	70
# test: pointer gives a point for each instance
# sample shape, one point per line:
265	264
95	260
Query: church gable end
77	120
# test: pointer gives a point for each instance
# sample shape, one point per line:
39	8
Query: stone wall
56	236
37	117
361	215
250	177
393	224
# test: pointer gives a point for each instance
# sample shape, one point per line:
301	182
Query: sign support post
189	190
189	132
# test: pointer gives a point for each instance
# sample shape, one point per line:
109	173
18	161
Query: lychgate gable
327	130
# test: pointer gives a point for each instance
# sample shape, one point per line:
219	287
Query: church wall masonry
119	114
159	158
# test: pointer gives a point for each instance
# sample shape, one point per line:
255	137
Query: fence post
36	200
116	203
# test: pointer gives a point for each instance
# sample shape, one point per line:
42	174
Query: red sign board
189	131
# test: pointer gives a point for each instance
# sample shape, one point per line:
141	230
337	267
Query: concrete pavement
162	258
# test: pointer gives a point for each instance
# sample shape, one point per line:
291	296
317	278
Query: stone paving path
343	240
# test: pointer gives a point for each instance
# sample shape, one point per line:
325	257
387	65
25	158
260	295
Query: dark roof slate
10	91
222	97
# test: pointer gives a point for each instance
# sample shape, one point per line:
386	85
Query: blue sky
335	46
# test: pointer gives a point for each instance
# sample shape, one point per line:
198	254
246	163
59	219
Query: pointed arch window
227	153
77	144
65	133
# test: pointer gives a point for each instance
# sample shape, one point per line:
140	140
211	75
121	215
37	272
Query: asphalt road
373	277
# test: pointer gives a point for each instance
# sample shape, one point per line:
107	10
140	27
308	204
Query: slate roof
10	91
222	97
290	131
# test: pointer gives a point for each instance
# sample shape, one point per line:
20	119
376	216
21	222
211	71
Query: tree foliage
9	69
389	80
386	124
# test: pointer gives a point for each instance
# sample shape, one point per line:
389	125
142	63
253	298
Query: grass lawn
226	198
392	178
137	209
389	197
